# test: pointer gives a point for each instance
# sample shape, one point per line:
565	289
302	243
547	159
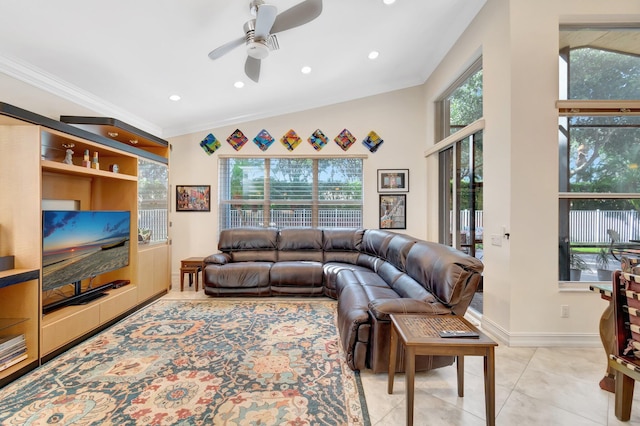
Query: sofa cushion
237	275
252	238
442	270
381	308
330	272
376	241
342	245
388	272
398	249
296	274
303	244
371	283
370	262
249	244
409	288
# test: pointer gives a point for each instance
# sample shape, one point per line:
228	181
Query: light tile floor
534	386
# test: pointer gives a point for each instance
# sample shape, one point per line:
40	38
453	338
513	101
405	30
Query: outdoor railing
155	220
586	226
294	218
590	226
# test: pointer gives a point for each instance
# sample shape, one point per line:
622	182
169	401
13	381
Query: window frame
568	108
449	156
443	107
266	203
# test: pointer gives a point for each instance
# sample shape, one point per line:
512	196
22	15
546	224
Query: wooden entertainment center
32	171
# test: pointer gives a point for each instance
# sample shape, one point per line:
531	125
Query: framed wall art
393	211
393	180
193	198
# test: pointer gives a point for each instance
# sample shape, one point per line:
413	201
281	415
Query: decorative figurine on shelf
96	163
68	158
85	160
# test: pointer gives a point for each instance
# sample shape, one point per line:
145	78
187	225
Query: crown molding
49	83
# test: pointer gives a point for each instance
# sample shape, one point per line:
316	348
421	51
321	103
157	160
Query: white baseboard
537	339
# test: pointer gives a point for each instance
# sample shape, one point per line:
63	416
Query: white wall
397	117
518	41
519	44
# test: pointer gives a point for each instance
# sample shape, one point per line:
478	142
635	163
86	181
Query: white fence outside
156	220
330	218
590	226
586	226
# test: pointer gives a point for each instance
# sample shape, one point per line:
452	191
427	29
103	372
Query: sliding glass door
461	180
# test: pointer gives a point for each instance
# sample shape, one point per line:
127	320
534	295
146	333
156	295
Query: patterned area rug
198	363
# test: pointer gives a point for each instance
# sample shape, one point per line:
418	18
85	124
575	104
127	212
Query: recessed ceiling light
373	54
174	98
388	1
305	70
238	84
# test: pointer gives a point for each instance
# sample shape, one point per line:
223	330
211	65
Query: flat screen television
77	246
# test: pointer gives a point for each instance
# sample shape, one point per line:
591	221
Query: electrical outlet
564	311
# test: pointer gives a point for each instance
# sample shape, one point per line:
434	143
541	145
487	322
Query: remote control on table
459	333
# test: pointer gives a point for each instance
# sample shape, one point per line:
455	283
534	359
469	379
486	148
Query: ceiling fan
260	33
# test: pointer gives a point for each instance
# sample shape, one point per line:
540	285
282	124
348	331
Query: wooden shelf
69	169
17	276
32	151
10	322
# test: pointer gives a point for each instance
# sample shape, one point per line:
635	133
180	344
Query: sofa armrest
218	258
381	308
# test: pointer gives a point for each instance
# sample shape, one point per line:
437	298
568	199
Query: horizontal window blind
290	192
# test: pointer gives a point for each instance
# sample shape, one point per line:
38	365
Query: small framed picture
193	198
393	211
393	180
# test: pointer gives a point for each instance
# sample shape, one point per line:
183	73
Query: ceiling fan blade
226	48
252	68
265	17
297	15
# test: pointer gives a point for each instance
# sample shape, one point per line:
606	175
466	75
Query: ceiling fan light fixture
260	33
257	49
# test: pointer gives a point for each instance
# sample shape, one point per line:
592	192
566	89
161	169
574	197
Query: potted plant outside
576	265
603	259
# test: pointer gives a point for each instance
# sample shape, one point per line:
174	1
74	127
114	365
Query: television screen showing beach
77	245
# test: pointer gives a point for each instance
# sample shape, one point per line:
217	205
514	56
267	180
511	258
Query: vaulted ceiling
123	58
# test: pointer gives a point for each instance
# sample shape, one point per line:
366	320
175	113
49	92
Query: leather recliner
372	273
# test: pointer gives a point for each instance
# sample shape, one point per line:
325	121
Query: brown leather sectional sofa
372	273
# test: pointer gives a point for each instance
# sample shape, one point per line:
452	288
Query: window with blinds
290	192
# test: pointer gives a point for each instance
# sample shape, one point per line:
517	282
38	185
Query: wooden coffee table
419	334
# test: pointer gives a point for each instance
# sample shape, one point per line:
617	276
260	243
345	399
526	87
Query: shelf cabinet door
153	271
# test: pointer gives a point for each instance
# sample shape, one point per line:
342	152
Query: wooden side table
191	266
419	334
